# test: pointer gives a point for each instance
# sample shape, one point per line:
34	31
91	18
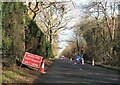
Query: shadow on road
63	71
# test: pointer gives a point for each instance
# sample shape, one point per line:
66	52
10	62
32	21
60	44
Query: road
63	71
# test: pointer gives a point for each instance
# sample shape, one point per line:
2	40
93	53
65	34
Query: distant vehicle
62	57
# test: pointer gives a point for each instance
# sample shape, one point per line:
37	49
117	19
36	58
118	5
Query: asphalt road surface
63	71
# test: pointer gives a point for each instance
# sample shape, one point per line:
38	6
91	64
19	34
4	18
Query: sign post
32	60
82	49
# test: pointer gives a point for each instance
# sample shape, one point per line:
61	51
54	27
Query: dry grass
18	74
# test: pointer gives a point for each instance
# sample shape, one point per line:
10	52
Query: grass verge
18	74
106	66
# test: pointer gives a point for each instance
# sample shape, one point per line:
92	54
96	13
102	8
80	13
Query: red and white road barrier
42	69
93	61
83	61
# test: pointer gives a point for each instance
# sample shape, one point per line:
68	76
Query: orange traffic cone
82	61
75	63
42	67
93	61
70	59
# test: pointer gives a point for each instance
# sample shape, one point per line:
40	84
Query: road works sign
32	60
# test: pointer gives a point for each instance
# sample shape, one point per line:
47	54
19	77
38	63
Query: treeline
21	34
100	29
101	32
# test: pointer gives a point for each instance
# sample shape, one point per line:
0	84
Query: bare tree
51	16
104	30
